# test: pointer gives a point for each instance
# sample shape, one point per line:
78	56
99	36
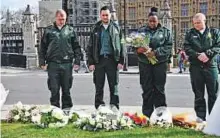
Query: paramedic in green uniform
105	57
202	44
59	45
153	77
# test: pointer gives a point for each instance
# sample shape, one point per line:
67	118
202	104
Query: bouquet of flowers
182	120
141	41
51	117
104	119
138	119
161	117
186	121
22	113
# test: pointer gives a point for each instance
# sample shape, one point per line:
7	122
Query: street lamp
126	54
113	11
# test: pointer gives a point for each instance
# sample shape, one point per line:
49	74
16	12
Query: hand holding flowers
141	42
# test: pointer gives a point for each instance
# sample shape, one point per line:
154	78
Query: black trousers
106	66
60	76
201	77
152	80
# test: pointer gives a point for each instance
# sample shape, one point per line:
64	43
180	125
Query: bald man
202	44
59	45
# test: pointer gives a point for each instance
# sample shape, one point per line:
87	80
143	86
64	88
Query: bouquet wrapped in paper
138	119
22	113
188	121
104	119
50	117
141	41
161	117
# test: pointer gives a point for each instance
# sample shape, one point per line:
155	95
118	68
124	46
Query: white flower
19	105
27	114
16	117
129	40
56	125
92	122
107	125
58	113
52	125
104	110
123	122
35	112
129	123
99	125
78	122
100	118
36	119
27	107
65	119
46	109
114	122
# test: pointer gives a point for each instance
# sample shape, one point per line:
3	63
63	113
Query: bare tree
14	16
46	17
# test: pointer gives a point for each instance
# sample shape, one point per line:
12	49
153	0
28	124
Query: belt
107	56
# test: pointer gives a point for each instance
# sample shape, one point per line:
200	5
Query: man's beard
105	22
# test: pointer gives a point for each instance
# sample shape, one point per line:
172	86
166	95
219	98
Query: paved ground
29	87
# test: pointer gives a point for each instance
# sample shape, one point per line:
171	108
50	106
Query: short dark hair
153	12
104	8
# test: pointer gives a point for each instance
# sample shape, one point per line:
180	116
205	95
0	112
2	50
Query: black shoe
180	72
184	69
87	72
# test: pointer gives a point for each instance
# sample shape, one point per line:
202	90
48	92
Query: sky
19	4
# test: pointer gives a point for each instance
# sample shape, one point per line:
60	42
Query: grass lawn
17	130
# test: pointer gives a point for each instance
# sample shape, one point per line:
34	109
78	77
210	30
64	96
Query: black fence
13	60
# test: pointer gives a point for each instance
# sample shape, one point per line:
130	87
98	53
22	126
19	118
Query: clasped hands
203	57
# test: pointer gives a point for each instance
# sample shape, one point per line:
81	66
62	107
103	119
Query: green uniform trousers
200	77
152	80
106	66
60	76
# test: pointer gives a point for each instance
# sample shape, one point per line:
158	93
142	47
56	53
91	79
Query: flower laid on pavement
186	121
21	113
104	119
161	117
50	116
138	119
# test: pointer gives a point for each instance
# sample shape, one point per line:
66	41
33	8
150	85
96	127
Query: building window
70	6
86	5
184	27
94	5
147	11
184	9
86	12
95	12
204	7
131	13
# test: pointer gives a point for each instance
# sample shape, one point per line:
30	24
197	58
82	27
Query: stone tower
8	20
166	21
29	28
165	15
